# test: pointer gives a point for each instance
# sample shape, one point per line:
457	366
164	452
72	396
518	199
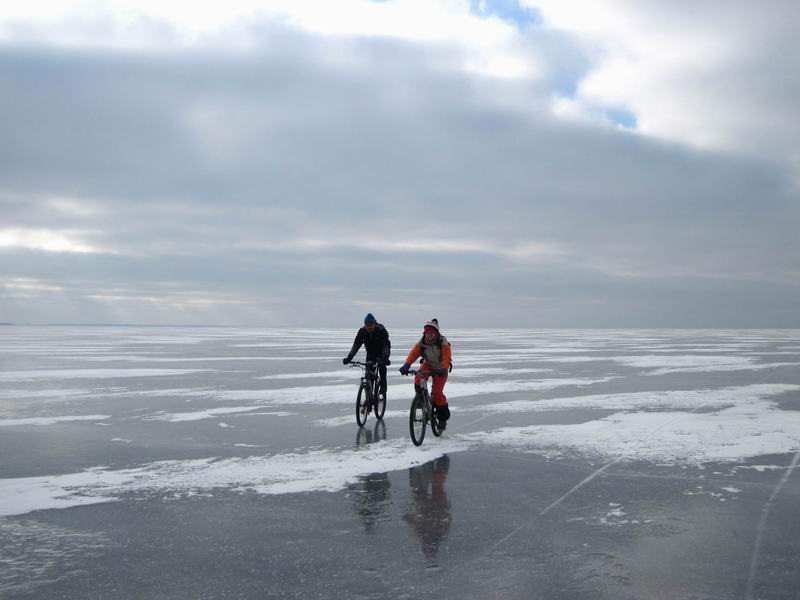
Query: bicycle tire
362	402
417	420
434	421
380	405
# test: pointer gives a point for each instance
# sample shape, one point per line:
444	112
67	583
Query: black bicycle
369	397
422	412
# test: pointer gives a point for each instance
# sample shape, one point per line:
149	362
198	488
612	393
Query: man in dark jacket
374	337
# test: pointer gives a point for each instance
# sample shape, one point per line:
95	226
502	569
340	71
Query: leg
439	399
382	369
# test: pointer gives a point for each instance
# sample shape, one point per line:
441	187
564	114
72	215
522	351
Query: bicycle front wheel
362	405
417	419
380	405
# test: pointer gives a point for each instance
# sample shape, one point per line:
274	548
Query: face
370	327
430	334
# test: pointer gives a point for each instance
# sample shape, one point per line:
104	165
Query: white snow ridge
317	470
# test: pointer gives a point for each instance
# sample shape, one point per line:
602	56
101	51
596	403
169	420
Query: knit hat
369	319
432	323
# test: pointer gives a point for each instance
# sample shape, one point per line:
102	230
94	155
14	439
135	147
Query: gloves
404	369
346	361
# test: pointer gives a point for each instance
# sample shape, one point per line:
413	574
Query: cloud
313	172
719	75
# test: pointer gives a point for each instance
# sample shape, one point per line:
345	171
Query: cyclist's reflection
368	436
372	497
429	516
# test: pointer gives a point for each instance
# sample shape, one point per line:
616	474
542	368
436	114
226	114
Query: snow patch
690	399
39	421
316	470
751	429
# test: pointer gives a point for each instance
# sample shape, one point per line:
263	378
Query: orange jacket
447	353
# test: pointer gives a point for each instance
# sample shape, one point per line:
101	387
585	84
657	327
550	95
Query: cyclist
375	339
436	355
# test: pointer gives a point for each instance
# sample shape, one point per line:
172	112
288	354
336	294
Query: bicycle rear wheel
417	420
437	431
362	405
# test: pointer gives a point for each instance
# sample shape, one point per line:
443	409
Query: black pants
382	371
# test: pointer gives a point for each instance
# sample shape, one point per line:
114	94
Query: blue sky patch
508	10
623	117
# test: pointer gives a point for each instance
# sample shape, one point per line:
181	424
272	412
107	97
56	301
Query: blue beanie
369	319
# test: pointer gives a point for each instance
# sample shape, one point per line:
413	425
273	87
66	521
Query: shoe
442	424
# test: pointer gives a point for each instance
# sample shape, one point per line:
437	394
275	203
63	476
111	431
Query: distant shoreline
454	328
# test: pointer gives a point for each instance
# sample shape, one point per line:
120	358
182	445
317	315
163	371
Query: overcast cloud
500	163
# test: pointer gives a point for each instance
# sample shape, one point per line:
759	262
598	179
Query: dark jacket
376	343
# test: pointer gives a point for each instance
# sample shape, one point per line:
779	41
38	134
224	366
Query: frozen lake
226	463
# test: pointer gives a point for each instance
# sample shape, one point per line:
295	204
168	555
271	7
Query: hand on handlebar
404	369
346	361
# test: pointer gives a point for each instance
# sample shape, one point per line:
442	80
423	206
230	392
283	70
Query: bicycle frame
370	376
371	386
426	395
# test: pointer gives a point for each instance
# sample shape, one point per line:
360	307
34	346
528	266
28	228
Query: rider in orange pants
436	354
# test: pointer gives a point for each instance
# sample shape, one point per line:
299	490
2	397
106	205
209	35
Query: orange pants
437	388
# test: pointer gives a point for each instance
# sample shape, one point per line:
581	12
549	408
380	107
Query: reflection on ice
428	514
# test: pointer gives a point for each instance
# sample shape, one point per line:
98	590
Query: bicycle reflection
429	514
370	436
372	496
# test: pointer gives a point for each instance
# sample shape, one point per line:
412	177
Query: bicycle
422	412
368	398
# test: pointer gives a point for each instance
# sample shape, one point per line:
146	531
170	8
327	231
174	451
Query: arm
415	353
357	343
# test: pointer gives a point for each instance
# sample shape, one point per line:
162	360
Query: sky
497	163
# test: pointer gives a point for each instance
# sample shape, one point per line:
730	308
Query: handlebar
423	374
355	363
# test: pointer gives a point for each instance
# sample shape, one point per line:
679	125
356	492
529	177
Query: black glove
346	361
404	369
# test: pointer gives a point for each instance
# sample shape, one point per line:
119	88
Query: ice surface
61	374
671	420
692	363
